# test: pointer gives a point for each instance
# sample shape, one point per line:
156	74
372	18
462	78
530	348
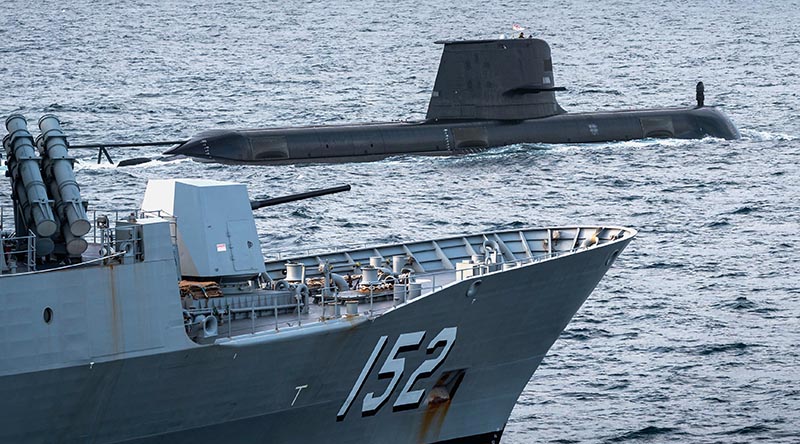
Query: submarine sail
494	80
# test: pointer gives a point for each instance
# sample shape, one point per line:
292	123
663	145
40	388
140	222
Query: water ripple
692	335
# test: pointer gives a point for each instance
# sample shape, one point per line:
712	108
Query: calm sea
692	337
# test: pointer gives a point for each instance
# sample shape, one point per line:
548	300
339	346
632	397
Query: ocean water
692	336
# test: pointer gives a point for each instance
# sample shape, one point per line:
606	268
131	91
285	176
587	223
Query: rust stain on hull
437	404
433	419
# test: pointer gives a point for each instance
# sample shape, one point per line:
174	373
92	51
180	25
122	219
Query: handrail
296	319
323	251
101	235
29	250
65	267
255	305
493	268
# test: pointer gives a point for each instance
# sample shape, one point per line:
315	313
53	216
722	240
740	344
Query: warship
167	324
487	93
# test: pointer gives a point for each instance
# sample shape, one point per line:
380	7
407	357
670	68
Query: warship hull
280	386
169	327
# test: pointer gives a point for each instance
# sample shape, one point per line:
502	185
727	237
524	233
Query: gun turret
215	228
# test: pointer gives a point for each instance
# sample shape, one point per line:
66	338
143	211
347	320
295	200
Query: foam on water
764	136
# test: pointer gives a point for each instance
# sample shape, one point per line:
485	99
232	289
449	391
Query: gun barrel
256	204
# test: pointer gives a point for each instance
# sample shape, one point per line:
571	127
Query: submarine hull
367	142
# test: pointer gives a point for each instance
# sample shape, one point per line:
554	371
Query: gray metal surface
25	174
114	346
114	363
509	79
216	235
58	168
354	143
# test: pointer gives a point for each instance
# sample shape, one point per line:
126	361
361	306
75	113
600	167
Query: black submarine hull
367	142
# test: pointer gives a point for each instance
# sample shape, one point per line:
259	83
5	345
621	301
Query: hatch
658	127
240	246
474	137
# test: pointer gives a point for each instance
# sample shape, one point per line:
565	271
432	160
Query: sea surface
692	336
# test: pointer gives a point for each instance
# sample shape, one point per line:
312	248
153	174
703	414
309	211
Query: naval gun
215	228
219	253
257	204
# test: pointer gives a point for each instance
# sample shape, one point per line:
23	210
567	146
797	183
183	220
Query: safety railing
228	309
430	282
104	218
18	252
302	252
331	304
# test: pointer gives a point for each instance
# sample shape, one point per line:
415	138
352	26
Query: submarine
487	93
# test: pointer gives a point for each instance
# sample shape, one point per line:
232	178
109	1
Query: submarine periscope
487	93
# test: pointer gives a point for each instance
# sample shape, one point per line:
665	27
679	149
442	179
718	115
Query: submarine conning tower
505	79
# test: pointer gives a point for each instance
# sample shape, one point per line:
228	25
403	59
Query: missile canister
58	169
25	167
43	245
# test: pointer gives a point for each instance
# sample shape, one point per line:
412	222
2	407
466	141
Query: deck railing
20	251
14	247
423	284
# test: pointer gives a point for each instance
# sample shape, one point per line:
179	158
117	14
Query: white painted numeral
360	381
409	399
393	366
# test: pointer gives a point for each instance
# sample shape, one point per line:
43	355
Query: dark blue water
692	336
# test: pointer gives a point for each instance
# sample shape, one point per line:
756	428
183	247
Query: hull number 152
394	367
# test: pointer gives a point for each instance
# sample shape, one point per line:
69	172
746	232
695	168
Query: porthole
47	315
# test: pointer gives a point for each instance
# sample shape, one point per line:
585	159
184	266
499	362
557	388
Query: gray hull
487	93
288	386
349	143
